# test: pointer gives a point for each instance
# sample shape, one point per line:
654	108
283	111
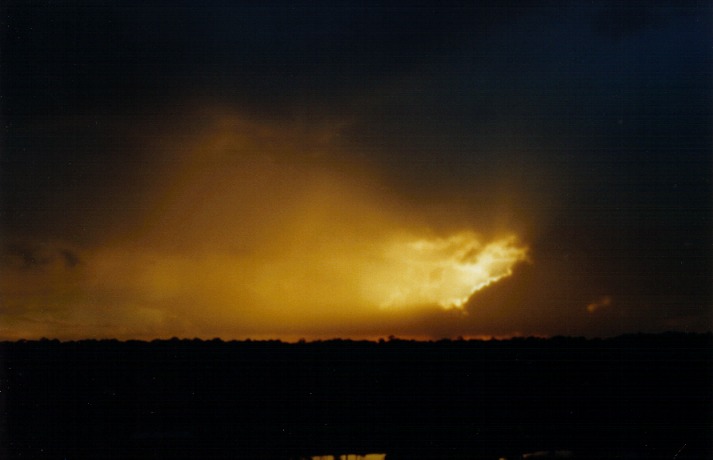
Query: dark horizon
379	340
637	396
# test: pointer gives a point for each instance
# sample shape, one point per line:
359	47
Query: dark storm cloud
26	255
59	173
78	55
71	258
109	56
476	88
82	81
589	123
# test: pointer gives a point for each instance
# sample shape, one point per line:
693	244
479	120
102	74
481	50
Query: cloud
444	270
602	303
31	255
71	258
256	229
26	255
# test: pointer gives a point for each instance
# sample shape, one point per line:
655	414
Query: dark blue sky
588	126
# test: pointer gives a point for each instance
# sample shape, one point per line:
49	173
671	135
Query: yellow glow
260	230
444	271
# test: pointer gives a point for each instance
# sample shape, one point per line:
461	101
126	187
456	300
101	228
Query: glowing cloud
259	230
444	271
599	304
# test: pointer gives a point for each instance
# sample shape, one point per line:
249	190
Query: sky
355	169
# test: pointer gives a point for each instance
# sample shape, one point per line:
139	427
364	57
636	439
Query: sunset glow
444	271
256	229
358	170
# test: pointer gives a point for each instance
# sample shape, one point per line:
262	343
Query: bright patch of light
444	271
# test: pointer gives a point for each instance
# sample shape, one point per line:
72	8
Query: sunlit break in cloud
445	271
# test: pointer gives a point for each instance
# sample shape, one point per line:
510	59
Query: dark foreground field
639	396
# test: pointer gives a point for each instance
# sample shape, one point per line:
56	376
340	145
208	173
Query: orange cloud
258	229
600	304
